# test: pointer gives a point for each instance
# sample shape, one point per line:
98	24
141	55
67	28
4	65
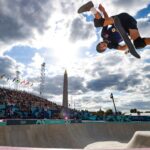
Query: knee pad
139	43
99	22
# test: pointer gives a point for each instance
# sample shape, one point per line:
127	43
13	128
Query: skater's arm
122	47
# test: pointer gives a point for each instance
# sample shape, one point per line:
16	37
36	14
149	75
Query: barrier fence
36	122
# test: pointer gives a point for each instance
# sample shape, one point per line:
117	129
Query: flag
22	82
14	79
27	83
31	84
17	81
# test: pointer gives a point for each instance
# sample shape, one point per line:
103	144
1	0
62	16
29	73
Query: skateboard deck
125	37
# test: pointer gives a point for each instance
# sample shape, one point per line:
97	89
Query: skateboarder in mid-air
111	37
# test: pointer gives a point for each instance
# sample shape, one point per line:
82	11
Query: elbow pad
99	22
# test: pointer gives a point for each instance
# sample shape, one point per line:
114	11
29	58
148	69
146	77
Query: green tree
133	110
100	113
109	112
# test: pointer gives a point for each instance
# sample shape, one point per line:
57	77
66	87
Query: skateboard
125	37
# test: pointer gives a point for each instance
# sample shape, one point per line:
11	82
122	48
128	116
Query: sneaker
85	7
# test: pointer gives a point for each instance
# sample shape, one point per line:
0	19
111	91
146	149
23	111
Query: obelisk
65	91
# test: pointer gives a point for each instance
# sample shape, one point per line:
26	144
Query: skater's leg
138	41
147	41
134	34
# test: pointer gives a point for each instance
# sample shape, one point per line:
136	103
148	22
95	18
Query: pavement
76	136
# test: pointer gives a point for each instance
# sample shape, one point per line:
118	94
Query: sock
93	10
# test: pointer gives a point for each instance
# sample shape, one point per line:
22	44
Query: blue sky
22	54
143	12
33	32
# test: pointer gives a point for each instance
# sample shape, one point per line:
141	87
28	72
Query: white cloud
37	60
64	34
143	25
130	6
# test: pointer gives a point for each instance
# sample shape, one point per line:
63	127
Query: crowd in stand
16	104
19	104
22	105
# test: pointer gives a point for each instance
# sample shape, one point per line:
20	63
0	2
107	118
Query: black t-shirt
111	36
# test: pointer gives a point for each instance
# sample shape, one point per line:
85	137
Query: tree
133	110
100	112
138	113
109	112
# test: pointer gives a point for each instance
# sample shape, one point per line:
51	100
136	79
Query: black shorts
127	21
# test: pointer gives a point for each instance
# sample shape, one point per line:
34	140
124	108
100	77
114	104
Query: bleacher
19	104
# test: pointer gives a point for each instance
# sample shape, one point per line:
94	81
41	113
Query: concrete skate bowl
140	139
70	135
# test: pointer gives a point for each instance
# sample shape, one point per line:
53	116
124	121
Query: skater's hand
126	52
101	8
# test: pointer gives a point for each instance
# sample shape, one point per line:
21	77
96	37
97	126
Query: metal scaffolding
42	79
